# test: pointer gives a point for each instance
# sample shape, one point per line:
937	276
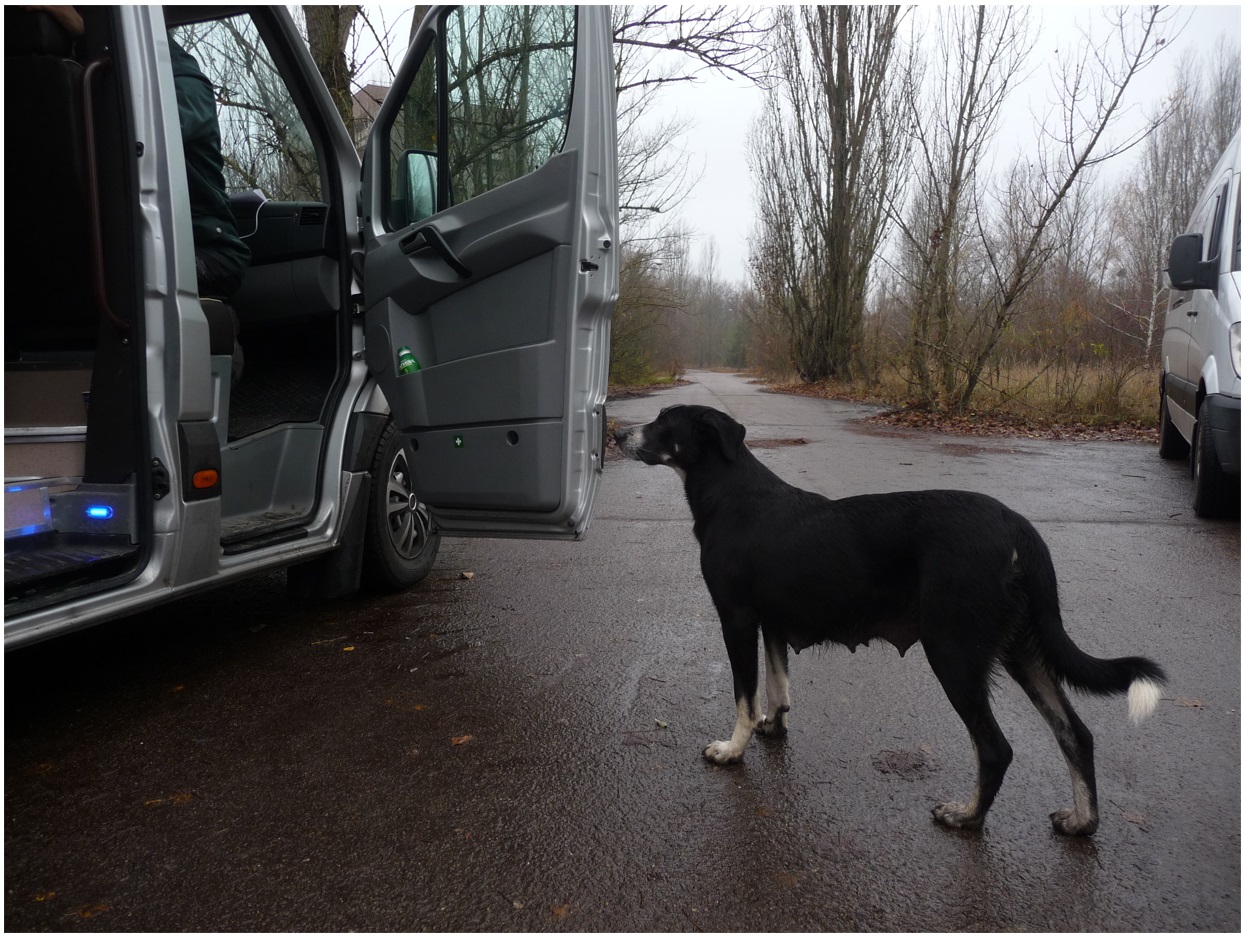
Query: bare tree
328	31
726	39
955	109
1005	236
825	150
653	47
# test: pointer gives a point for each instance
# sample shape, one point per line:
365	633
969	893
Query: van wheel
1170	443
1212	494
402	542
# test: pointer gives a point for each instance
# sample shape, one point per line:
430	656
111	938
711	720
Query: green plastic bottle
406	362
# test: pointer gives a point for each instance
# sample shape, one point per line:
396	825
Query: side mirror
415	185
1185	269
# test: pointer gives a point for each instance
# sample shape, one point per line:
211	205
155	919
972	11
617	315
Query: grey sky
720	206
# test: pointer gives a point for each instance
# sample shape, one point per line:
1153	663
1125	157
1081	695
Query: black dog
958	571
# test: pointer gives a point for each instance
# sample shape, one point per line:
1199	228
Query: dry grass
1105	397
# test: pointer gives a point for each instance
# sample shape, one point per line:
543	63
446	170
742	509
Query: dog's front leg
740	636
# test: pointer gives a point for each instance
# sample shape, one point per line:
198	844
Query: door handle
94	209
429	236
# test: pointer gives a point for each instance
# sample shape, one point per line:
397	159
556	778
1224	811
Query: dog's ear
727	432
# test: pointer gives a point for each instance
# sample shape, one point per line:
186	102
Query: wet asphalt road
520	750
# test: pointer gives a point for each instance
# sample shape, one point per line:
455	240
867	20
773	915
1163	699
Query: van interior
80	478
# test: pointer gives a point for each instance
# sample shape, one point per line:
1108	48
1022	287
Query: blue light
99	511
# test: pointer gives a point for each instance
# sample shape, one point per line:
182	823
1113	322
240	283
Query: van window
264	140
510	71
1235	266
414	128
506	74
1218	217
1202	221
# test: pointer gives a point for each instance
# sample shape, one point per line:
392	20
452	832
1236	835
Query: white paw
773	726
722	752
1071	822
957	815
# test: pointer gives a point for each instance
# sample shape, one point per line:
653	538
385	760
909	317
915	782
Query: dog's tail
1140	678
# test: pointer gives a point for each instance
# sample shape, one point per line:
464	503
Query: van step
263	541
42	561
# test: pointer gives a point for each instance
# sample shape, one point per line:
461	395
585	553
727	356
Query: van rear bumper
1223	424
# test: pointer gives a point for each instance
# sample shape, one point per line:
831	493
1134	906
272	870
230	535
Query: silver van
425	330
1200	350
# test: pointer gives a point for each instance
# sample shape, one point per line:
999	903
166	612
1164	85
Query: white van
426	331
1200	350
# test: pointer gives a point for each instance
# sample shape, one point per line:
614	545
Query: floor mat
274	389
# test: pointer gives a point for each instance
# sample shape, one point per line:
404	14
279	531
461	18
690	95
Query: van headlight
1235	352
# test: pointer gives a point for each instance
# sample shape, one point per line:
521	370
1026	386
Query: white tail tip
1142	698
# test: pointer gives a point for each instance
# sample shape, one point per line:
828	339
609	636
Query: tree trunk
327	33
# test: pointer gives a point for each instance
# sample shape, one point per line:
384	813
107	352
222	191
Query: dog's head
684	436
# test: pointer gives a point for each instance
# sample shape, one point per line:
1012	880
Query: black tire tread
383	569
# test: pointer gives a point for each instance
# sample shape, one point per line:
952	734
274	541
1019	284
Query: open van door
489	223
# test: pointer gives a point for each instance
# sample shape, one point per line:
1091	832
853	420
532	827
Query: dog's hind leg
966	685
1072	736
740	635
777	684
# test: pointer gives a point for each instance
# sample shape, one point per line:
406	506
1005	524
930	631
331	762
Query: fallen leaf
1189	703
468	575
348	649
181	798
179	688
560	911
420	707
465	738
662	724
46	895
93	909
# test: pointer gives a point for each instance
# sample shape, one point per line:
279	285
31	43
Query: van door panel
1207	324
504	416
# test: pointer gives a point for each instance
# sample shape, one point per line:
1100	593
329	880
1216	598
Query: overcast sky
720	206
721	110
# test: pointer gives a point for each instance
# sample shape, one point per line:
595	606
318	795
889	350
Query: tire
401	542
1170	443
1214	492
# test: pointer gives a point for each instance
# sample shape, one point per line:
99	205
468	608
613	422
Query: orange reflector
205	479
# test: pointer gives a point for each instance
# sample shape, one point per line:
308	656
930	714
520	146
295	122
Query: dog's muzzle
630	441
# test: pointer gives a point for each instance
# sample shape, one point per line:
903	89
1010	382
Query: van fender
1208	377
